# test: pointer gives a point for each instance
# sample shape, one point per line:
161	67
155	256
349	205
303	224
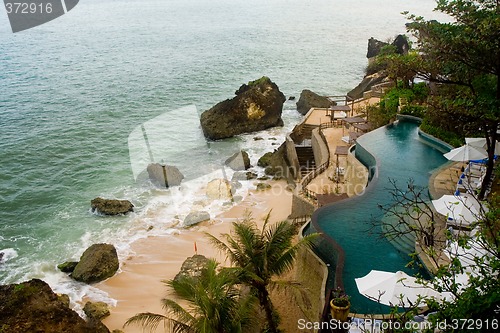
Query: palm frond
147	319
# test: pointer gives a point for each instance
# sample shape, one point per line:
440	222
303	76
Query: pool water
401	155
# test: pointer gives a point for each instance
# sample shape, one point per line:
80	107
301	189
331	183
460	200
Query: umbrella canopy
466	153
393	289
463	209
481	143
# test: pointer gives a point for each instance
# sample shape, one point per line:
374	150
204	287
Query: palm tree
215	304
262	254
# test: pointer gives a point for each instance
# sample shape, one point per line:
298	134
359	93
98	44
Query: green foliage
262	80
262	254
215	304
449	137
339	298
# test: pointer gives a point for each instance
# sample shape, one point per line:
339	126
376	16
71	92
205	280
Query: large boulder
97	263
309	99
33	307
219	189
192	266
164	175
111	206
256	106
275	163
196	217
239	161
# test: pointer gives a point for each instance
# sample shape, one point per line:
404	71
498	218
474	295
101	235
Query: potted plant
340	305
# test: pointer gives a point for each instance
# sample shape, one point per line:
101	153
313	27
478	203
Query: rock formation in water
33	307
111	206
164	175
97	263
309	99
256	106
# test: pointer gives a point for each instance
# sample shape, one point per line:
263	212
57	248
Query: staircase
306	129
306	159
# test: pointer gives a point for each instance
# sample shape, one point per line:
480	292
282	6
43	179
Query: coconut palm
215	304
261	255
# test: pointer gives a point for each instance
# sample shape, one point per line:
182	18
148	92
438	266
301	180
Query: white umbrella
466	152
463	209
393	289
481	143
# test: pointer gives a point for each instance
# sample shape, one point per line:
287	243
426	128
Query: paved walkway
327	182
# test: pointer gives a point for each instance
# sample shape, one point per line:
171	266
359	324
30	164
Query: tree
260	255
215	304
465	53
470	277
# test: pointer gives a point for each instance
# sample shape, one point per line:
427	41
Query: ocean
73	90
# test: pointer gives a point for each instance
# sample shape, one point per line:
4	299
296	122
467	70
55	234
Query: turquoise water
401	155
72	90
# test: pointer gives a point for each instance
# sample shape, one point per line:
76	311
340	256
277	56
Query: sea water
74	89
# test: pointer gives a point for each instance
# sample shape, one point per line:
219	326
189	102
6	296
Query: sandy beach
138	287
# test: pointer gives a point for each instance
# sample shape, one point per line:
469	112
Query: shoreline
138	287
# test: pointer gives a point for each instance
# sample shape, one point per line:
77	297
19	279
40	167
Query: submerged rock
256	106
309	99
239	161
111	206
97	263
164	175
192	266
33	307
196	217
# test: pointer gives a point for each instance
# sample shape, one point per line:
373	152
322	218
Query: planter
340	313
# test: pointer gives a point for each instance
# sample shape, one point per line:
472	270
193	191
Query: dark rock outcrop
309	99
257	106
374	47
111	206
97	263
400	44
239	161
33	307
68	266
192	266
275	164
164	175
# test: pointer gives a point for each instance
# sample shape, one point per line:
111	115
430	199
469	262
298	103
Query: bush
449	137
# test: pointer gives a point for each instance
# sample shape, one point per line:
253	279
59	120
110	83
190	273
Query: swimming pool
401	154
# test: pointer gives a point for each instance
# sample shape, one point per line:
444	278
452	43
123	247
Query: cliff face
256	106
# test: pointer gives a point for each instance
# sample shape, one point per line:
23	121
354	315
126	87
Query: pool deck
444	180
326	182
